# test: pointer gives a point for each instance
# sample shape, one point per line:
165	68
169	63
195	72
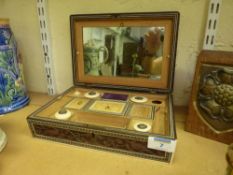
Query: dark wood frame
169	19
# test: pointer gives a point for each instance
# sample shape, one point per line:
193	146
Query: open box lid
125	51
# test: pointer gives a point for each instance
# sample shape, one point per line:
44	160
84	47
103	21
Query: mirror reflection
123	51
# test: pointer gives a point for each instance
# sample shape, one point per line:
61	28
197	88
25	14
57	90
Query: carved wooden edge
217	57
206	123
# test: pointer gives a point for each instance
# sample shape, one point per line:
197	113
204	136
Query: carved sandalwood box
123	67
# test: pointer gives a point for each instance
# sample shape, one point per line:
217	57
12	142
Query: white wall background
24	23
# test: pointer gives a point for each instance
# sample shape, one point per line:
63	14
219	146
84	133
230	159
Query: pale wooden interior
140	111
77	103
101	117
107	106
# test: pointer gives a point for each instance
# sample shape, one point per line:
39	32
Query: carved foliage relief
215	97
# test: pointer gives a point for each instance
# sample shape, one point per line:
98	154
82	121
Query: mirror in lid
134	51
125	50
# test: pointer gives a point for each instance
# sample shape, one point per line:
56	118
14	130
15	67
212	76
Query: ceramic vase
12	89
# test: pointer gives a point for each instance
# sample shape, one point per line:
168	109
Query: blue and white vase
13	93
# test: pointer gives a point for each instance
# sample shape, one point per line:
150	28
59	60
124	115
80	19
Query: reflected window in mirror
123	51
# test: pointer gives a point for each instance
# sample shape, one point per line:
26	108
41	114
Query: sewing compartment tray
113	125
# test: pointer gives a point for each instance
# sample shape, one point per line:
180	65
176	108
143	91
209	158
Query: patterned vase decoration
12	89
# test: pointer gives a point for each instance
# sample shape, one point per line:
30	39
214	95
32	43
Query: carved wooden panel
211	104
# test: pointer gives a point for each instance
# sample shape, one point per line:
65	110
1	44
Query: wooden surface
194	123
100	120
56	106
27	155
140	111
111	107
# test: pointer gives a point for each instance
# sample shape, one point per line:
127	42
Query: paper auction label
161	144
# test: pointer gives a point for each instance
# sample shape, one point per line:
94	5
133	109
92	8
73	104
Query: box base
98	139
122	126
